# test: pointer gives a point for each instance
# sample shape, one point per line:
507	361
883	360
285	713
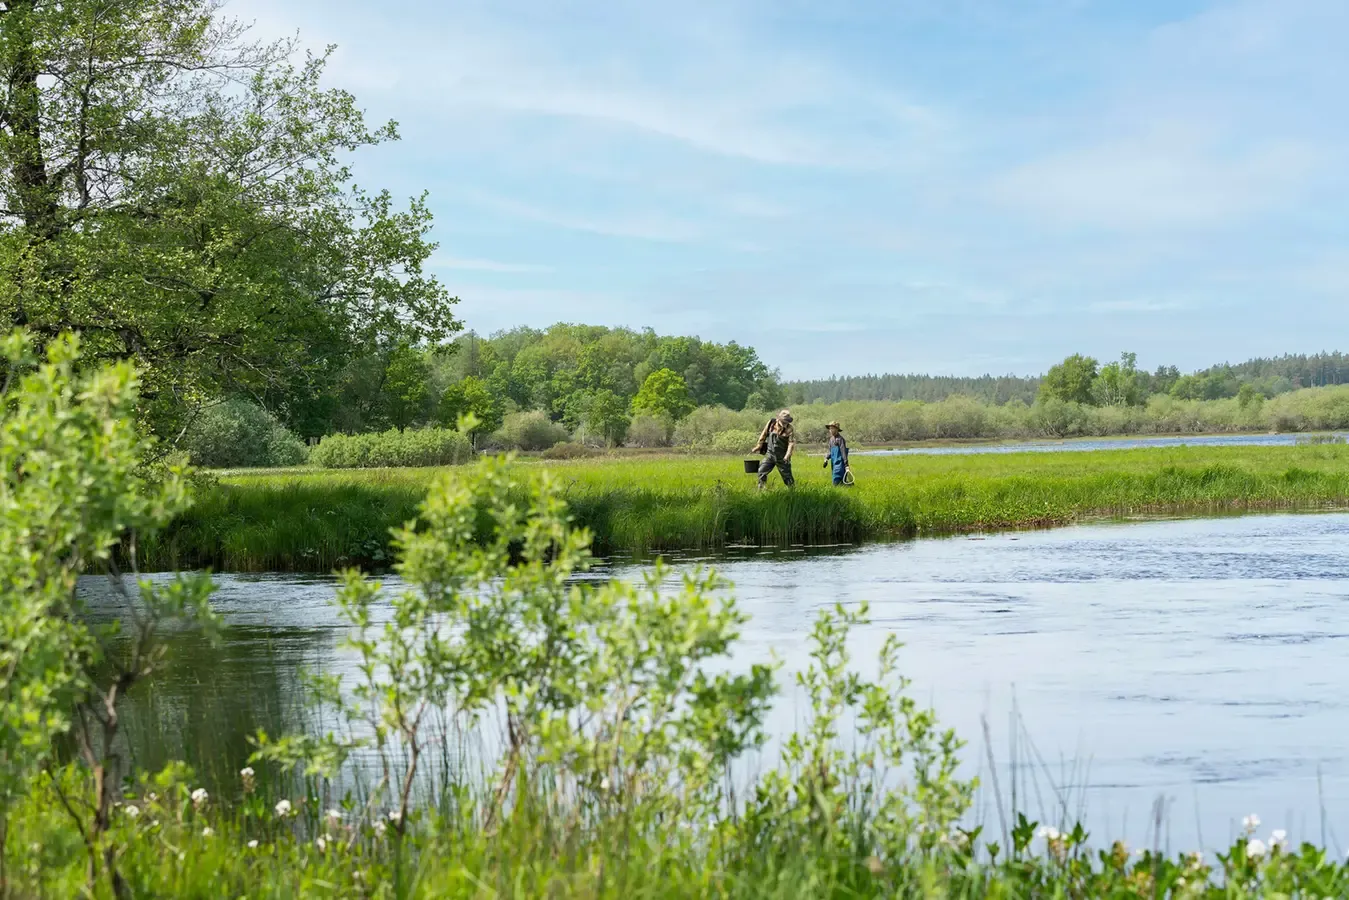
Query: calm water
1201	661
1207	440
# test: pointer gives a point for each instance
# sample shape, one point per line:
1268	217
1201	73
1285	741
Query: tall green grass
317	521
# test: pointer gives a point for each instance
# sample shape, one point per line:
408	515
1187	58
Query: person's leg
764	468
785	470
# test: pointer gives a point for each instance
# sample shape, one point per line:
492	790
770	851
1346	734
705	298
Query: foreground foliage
610	735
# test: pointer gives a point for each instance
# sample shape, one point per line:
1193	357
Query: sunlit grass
309	520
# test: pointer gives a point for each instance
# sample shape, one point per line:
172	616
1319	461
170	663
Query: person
838	453
776	443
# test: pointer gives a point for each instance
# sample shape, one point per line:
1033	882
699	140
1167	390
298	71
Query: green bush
569	450
392	448
735	441
528	431
239	434
649	431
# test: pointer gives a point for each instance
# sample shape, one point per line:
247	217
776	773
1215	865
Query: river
1109	443
1203	661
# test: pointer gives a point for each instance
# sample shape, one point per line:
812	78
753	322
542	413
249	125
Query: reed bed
304	520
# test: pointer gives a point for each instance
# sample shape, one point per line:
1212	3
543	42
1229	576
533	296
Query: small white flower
1251	822
207	832
199	797
1278	838
133	811
1255	848
283	808
334	815
247	772
1049	833
321	844
380	828
253	844
394	816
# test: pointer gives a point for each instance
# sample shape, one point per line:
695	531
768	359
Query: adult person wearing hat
838	454
776	443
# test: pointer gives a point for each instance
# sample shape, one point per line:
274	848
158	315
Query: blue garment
838	458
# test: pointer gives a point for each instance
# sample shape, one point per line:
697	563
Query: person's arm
843	442
791	445
763	436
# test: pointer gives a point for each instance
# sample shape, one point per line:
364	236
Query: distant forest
1268	376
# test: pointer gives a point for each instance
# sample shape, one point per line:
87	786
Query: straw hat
785	415
834	424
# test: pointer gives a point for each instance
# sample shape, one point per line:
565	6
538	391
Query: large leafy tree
1071	380
663	393
177	194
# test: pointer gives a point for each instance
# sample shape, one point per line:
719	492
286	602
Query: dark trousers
783	466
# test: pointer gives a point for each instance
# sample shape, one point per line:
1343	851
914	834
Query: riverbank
315	521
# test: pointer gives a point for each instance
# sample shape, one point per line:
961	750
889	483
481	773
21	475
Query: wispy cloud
483	265
865	185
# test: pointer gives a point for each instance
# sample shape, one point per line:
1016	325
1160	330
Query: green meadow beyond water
316	521
1200	663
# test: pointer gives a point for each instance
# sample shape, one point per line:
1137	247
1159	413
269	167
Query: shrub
734	441
569	450
649	431
529	431
392	448
240	434
699	427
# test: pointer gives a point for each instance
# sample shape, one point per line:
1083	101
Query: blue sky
946	186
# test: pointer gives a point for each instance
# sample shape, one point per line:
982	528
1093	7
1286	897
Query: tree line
1083	379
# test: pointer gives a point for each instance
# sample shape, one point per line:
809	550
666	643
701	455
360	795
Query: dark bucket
751	466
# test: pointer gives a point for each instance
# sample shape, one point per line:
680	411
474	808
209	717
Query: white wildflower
1255	848
283	808
253	844
321	844
334	815
1251	822
199	797
133	811
1049	833
394	816
604	783
380	828
247	772
207	831
1278	838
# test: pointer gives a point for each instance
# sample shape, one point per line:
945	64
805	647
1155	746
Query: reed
300	520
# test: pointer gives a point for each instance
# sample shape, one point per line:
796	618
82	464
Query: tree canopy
177	194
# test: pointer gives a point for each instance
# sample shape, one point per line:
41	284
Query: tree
664	393
471	395
606	416
1070	380
1117	383
176	194
404	388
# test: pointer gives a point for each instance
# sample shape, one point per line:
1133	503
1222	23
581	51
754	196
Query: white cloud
482	265
642	226
1168	177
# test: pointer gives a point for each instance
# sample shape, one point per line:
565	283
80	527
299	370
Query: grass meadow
316	521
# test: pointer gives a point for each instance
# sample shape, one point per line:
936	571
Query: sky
856	186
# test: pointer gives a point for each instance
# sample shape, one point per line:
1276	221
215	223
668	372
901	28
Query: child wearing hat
838	454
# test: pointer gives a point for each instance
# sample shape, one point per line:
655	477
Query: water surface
1089	444
1202	661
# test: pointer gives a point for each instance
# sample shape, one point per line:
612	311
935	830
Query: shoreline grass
316	521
